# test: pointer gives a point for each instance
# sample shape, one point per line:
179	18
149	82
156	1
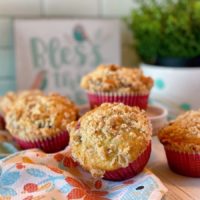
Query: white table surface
179	187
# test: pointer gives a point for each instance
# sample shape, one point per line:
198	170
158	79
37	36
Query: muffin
112	83
111	141
181	140
8	100
39	121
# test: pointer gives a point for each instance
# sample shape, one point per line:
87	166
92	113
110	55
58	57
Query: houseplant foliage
166	29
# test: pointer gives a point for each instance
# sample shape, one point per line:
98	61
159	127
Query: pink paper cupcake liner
187	164
133	168
2	123
49	145
96	99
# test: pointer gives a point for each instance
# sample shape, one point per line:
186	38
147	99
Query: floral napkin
34	175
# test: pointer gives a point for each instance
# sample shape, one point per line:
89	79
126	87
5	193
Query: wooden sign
53	55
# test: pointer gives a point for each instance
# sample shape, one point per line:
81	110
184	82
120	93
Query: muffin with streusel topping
112	83
111	141
8	100
181	140
40	121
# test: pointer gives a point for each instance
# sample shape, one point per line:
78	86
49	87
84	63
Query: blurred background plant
170	28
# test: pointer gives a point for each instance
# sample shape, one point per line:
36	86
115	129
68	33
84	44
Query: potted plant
167	39
167	33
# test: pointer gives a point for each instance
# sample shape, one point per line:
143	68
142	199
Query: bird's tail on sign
40	81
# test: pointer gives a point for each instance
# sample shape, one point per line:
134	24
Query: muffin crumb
8	100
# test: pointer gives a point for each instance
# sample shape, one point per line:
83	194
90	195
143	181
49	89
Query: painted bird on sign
80	34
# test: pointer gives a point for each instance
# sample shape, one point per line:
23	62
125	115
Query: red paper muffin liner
187	164
133	168
2	123
140	100
49	145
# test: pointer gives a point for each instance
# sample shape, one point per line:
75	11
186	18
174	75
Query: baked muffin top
8	100
183	134
113	78
109	137
40	116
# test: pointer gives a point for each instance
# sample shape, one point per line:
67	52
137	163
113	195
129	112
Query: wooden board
179	187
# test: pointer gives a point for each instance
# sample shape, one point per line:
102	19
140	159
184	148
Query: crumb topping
8	100
39	116
113	78
183	134
109	137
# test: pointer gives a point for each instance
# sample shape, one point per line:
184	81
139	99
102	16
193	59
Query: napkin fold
34	175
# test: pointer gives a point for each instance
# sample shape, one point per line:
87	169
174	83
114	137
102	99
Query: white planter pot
176	88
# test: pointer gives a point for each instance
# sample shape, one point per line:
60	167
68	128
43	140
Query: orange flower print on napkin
81	191
66	160
26	159
98	184
55	169
20	166
58	157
